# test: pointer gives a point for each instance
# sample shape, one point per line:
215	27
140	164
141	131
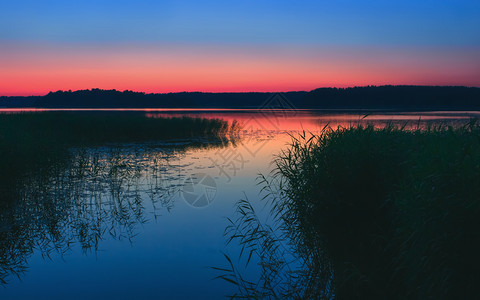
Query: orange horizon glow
37	70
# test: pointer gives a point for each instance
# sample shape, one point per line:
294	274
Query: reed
32	141
370	213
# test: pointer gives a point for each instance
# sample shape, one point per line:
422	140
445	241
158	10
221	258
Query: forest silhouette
369	97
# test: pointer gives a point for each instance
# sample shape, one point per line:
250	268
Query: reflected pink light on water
311	121
281	120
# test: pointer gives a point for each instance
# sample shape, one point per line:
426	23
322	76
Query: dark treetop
370	97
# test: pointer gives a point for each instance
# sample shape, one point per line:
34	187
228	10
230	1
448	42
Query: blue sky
444	23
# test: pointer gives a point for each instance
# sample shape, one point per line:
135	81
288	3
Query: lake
147	220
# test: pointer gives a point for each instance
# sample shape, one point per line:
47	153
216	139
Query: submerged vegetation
367	213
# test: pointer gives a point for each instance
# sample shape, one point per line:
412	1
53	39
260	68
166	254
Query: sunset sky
171	46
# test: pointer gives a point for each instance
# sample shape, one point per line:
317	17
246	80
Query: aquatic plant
30	141
368	213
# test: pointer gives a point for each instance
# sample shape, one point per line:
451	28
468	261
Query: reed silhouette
369	213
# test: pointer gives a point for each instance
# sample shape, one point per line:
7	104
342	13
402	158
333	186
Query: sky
235	46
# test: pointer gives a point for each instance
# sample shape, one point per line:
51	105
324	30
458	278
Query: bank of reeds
31	141
368	214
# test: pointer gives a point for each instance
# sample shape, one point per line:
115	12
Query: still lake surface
136	221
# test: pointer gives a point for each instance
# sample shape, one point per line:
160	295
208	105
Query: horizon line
243	92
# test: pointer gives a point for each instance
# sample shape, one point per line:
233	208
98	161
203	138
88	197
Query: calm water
147	221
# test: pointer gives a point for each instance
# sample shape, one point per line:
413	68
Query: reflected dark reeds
30	141
60	191
365	213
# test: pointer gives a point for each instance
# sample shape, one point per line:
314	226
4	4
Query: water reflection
85	197
279	120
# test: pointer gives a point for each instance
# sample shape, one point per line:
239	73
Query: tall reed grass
32	141
368	214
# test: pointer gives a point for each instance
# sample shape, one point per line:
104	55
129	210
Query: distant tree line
394	97
369	97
